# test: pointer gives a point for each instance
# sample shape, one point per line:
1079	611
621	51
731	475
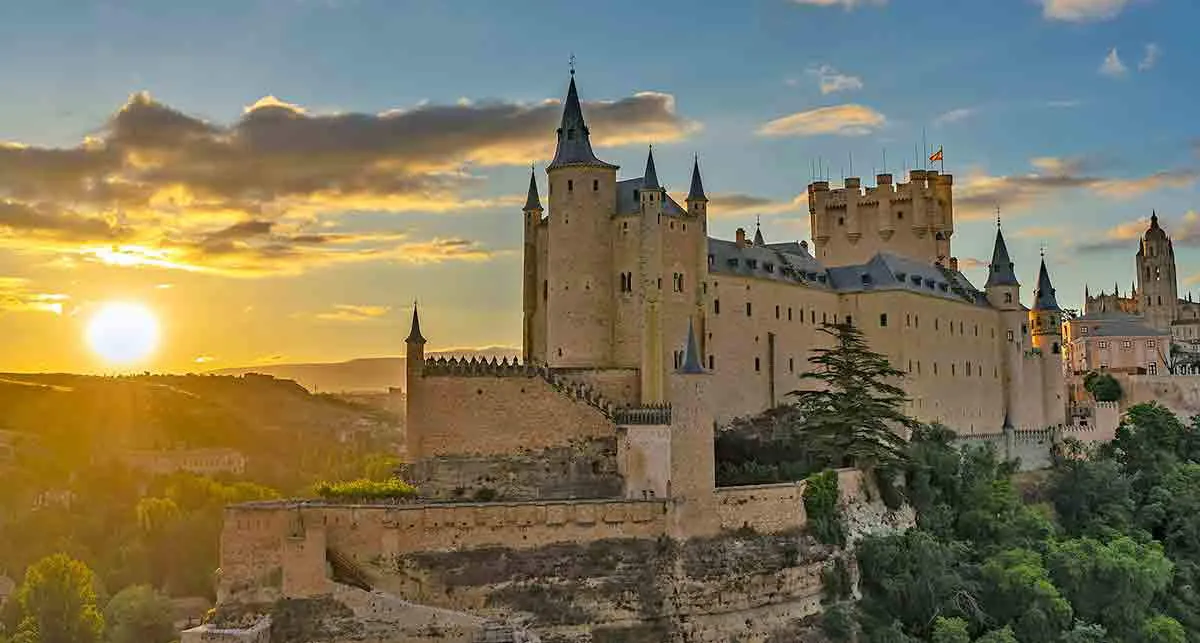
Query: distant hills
356	375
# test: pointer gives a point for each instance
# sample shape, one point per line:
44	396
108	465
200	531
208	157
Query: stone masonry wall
451	415
582	469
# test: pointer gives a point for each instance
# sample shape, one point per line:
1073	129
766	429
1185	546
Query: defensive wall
1180	393
1033	449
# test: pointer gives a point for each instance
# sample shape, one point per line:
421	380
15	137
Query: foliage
1018	593
1111	583
836	584
892	566
951	630
57	601
1103	386
838	622
363	490
1004	635
139	614
822	507
1163	629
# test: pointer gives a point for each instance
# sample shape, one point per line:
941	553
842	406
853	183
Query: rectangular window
1152	367
1149	343
883	320
907	320
595	185
1103	344
1126	344
824	318
1083	330
812	316
748	309
849	320
790	314
776	312
570	185
935	368
716	306
791	364
710	362
757	365
1010	335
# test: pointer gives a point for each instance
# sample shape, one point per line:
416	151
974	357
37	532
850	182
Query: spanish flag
936	156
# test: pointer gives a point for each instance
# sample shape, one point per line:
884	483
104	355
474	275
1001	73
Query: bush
1103	386
821	506
364	490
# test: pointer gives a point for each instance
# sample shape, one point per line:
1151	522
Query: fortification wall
1180	393
1033	448
582	469
618	385
496	414
771	508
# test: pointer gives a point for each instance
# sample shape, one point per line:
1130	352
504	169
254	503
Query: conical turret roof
691	353
532	202
1000	271
696	192
650	179
414	335
1043	296
574	141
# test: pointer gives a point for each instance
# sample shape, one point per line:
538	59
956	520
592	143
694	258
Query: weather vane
997	215
572	64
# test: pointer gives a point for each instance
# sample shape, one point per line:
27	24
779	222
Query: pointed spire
1000	271
1153	219
691	353
574	144
696	193
532	202
650	180
414	335
1086	295
1043	296
1007	421
758	238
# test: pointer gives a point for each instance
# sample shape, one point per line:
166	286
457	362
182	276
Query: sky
279	180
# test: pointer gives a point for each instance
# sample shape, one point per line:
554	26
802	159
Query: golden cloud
16	296
353	313
841	120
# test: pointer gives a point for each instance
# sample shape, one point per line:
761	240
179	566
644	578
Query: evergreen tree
855	415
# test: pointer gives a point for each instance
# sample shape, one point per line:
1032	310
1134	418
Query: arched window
1008	297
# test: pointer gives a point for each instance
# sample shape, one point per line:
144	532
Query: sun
122	332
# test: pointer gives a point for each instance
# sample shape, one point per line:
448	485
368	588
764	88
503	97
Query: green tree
951	630
1112	583
58	603
1085	633
1092	497
1004	635
910	579
1162	629
139	614
855	414
1017	592
1103	386
822	507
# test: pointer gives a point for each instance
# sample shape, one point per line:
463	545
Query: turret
1045	320
577	288
692	460
529	288
414	372
414	357
1003	289
650	268
1004	293
697	202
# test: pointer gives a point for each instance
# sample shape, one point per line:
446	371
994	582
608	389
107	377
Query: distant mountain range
356	375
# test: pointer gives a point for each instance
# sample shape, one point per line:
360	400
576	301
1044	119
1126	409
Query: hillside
356	375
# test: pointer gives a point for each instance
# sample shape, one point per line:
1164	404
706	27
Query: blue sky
1034	110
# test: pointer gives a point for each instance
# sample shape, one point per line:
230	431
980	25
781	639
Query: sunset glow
123	333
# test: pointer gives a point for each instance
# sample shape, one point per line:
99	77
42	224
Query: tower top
650	180
1043	296
696	192
532	202
414	335
758	238
1000	271
574	142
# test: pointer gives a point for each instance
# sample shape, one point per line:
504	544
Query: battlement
654	415
477	367
920	181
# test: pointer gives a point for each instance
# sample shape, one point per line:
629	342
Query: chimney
804	245
741	237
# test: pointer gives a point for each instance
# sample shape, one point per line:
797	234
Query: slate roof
1000	271
1043	296
1110	324
697	189
574	141
628	203
532	202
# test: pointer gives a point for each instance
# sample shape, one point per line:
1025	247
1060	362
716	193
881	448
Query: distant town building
205	462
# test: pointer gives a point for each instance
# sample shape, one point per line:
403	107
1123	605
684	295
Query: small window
777	311
899	214
935	368
1103	344
710	362
1010	335
849	320
907	320
571	134
753	263
952	369
1008	297
1150	343
570	185
935	323
716	306
625	226
1024	329
748	309
791	364
757	365
812	316
1126	344
790	314
841	221
1083	330
595	185
883	320
711	259
545	290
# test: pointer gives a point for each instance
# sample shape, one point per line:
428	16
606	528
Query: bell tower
1158	293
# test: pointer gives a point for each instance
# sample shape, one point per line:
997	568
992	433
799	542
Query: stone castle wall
1180	393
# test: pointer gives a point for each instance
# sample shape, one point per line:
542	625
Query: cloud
158	187
981	193
955	115
204	359
1112	65
847	4
966	263
1039	232
842	120
724	205
1185	231
17	296
353	313
1082	10
831	81
1150	58
1063	104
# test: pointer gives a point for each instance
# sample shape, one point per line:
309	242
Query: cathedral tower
1158	294
578	287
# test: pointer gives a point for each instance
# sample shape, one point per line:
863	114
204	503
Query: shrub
821	506
364	490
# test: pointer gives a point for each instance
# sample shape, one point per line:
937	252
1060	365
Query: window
968	369
748	309
1083	330
883	320
960	328
571	134
935	368
790	313
570	185
625	226
907	320
849	320
1150	343
716	306
935	324
899	214
711	260
977	330
545	290
1024	329
776	311
791	364
916	321
757	365
918	367
710	362
595	185
1103	344
841	221
1010	335
951	369
677	282
824	318
1126	343
678	361
1152	368
812	316
1160	300
1008	297
753	263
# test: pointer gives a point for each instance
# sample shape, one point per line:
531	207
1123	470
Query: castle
641	336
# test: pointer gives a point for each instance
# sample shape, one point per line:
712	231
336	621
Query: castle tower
1004	294
692	477
414	370
1045	320
650	271
1158	293
529	288
578	287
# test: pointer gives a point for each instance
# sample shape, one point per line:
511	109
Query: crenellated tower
851	224
414	370
1045	322
1158	292
578	286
